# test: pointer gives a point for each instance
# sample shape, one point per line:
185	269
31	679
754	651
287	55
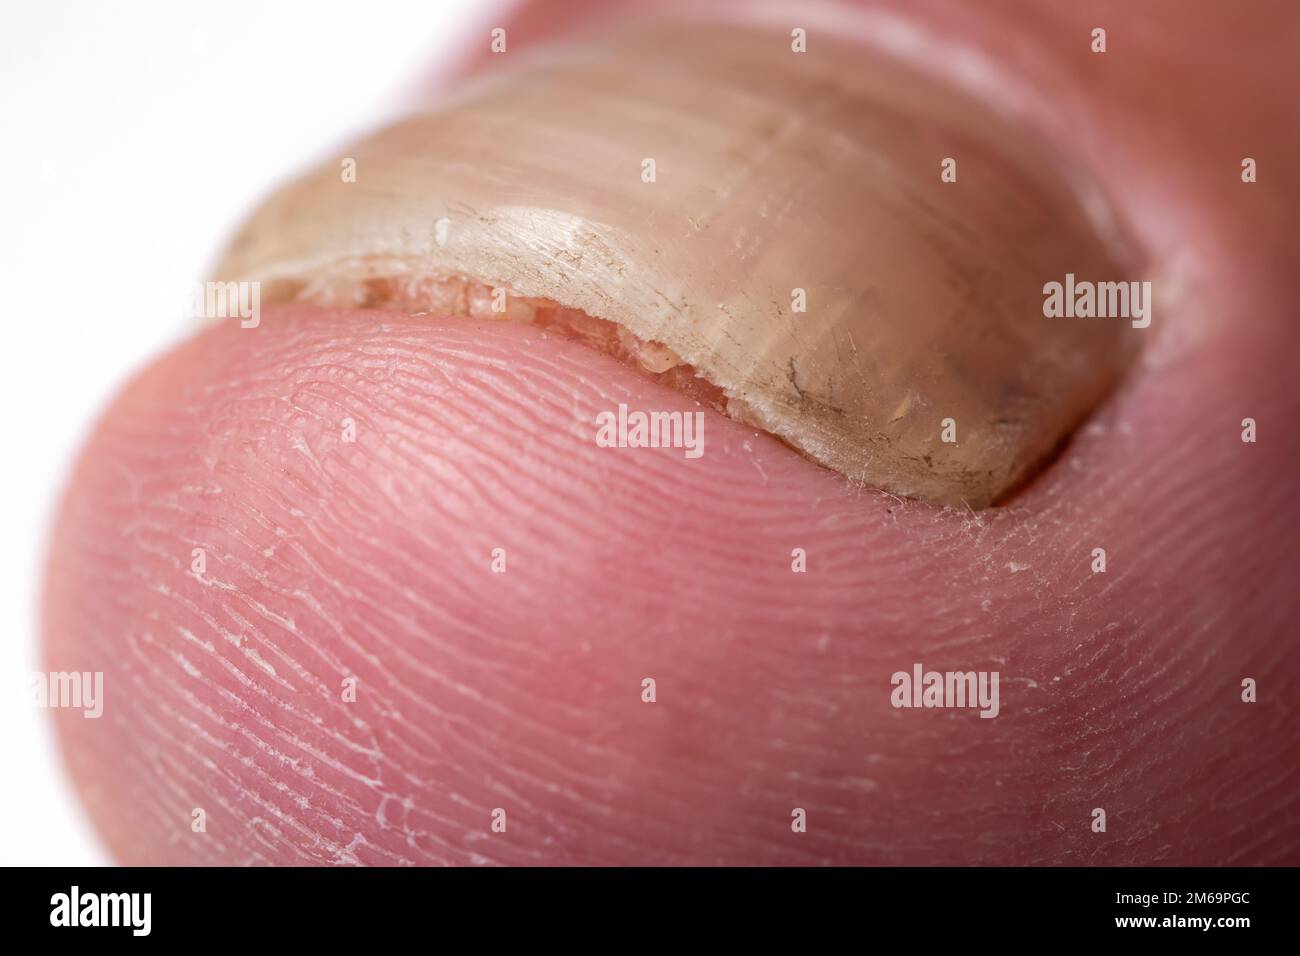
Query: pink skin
522	690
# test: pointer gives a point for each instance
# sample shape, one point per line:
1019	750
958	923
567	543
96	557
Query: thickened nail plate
848	254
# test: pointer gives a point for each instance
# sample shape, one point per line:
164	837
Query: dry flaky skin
459	295
775	171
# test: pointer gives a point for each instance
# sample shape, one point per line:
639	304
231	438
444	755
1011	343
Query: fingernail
850	252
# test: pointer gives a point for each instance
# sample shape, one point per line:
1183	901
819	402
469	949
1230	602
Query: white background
133	139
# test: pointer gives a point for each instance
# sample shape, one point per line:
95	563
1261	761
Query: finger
522	691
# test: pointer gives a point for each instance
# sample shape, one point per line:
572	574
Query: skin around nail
366	585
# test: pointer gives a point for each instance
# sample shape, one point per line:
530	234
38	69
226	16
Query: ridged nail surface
778	221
